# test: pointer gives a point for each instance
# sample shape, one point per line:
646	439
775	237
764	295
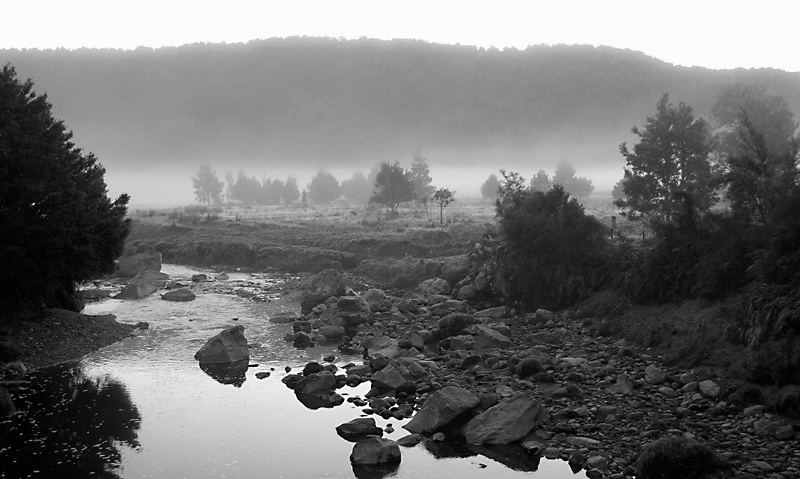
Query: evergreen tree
357	188
490	187
207	187
671	159
291	192
541	182
59	227
577	187
393	186
420	177
323	188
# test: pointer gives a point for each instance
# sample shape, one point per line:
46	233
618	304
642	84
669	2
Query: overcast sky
713	34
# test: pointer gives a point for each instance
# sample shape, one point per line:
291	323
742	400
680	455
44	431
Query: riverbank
56	335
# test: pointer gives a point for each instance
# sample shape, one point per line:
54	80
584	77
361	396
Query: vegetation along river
143	408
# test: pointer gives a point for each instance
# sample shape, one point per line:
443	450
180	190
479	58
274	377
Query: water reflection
375	471
234	373
69	426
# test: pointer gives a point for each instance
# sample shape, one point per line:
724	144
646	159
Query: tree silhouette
490	187
393	186
420	176
443	198
207	187
323	187
58	225
671	158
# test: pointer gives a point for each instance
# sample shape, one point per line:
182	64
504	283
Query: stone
412	339
320	287
331	333
486	337
784	432
709	388
199	278
533	444
410	440
316	383
544	315
506	422
398	372
375	450
182	294
136	290
467	292
448	306
654	375
492	313
150	276
374	298
358	429
579	441
302	339
284	317
222	276
130	266
442	407
383	345
597	462
228	346
433	286
756	410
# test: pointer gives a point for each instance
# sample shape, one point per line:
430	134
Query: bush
553	254
676	457
454	324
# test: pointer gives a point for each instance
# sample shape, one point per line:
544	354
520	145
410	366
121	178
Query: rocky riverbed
606	399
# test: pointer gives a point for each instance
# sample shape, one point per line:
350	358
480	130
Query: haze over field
349	96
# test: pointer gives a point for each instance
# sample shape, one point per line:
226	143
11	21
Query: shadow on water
69	426
375	471
234	373
512	456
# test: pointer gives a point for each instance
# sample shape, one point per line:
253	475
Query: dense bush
676	457
553	254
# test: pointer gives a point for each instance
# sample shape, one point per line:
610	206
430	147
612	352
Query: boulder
383	345
358	429
331	333
709	388
199	278
442	407
228	346
316	383
182	294
654	375
398	372
375	450
136	290
348	311
434	286
222	277
447	307
486	337
323	399
130	266
506	422
150	276
467	292
283	317
374	297
320	287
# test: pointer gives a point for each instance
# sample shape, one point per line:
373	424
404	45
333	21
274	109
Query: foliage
443	197
541	181
59	226
675	456
420	177
672	157
246	190
490	187
758	180
323	187
763	109
357	188
291	192
618	192
554	252
393	185
207	187
578	187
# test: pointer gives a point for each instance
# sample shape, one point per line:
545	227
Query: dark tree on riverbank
59	226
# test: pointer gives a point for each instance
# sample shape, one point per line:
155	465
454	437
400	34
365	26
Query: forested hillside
308	100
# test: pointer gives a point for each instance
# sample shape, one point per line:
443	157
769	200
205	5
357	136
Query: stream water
143	408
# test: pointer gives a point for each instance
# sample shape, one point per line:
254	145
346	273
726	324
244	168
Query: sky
708	33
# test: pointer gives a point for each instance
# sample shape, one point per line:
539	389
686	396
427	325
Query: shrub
454	324
528	367
676	457
553	253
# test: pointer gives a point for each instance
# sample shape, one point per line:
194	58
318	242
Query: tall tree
207	187
357	188
420	176
323	188
767	113
393	186
490	187
291	192
576	186
670	159
58	225
541	181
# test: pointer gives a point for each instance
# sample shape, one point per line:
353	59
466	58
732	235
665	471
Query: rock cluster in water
539	381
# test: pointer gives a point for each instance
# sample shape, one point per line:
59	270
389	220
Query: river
143	408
